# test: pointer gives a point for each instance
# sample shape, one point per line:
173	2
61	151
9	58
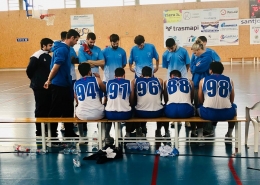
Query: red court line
233	171
155	169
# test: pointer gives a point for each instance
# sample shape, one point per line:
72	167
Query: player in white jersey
178	95
86	91
148	92
118	101
216	93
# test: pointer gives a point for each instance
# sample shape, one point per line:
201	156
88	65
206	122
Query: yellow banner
170	16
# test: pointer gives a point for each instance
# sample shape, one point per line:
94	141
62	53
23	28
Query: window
4	5
9	5
145	2
103	3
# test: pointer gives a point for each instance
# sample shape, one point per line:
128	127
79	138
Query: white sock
200	132
230	130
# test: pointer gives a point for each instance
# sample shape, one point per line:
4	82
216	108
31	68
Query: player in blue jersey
216	93
115	57
175	58
118	101
215	56
91	54
74	60
199	69
142	55
207	127
60	80
148	93
87	91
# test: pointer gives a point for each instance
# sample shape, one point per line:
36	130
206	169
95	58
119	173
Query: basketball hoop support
27	5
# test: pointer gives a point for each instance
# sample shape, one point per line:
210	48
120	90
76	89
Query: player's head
91	39
120	72
175	73
84	69
147	71
72	37
203	39
63	35
216	68
114	40
198	48
139	41
46	44
170	44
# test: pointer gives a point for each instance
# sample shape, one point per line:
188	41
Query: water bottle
20	148
76	161
95	140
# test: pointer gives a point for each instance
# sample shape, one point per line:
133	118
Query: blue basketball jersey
87	92
178	90
216	90
148	92
118	93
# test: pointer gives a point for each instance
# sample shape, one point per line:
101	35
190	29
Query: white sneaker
201	139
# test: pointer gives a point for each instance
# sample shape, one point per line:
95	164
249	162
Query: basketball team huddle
209	94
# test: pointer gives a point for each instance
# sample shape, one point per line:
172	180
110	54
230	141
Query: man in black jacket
38	71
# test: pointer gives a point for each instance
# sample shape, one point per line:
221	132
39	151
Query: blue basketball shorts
179	110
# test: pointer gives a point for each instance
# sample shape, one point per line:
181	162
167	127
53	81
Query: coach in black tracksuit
38	71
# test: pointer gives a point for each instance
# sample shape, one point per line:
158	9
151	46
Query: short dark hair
114	38
216	67
176	73
72	33
203	38
91	36
139	39
84	69
147	71
63	35
170	42
119	72
45	42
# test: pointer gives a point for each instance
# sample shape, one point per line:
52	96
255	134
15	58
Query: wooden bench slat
76	120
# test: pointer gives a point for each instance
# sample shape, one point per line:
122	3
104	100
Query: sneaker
207	133
139	132
187	124
201	139
193	135
173	125
228	141
109	141
62	128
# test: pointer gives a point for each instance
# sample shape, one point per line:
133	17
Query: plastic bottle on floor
95	140
20	148
76	161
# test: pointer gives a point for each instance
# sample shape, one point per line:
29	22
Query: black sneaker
207	133
228	141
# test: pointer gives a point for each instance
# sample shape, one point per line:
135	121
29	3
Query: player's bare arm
156	66
200	92
165	92
131	68
192	91
232	94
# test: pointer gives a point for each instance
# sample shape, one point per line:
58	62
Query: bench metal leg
43	137
238	136
99	136
176	141
231	61
49	129
116	134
